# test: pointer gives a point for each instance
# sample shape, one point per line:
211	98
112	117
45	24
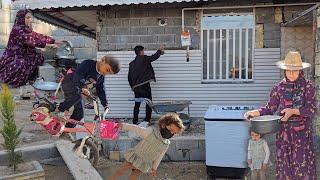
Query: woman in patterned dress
20	60
294	98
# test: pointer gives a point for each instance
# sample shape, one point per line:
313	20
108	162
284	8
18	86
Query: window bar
214	54
208	54
246	56
220	71
234	54
227	54
240	53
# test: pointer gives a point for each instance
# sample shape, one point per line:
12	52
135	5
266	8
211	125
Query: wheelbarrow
169	106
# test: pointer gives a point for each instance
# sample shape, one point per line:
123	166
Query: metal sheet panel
46	4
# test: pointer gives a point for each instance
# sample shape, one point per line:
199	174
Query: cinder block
107	31
134	22
272	35
125	22
148	39
106	47
165	38
110	13
189	21
271	43
123	47
195	40
77	41
138	30
174	21
109	22
176	30
137	13
154	46
149	22
134	39
272	27
155	30
157	12
177	39
122	31
123	13
83	53
88	42
173	12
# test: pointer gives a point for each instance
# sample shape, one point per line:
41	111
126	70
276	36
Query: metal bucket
267	124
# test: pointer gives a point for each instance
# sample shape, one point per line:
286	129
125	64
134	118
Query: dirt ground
33	134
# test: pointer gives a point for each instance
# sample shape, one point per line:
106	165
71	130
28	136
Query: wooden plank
81	169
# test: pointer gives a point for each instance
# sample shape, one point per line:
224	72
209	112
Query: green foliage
9	131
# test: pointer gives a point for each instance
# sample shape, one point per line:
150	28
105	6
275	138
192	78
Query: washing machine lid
225	112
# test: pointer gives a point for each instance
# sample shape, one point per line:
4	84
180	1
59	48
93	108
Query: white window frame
227	80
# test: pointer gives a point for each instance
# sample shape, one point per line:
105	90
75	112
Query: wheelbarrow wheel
90	146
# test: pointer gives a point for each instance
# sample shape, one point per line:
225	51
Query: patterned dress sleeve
34	39
309	108
272	106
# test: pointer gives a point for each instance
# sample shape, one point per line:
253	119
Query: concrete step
182	148
81	169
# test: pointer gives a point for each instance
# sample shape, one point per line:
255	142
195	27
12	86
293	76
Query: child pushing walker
146	156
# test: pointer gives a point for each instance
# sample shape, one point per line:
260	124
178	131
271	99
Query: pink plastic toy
109	130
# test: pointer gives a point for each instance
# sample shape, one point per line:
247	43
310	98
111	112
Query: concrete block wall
85	48
123	29
272	32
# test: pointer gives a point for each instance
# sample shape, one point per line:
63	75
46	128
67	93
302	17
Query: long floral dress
295	158
20	60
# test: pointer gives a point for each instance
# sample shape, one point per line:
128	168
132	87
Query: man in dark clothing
140	75
74	84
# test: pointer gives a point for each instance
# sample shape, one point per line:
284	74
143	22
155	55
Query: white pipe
242	7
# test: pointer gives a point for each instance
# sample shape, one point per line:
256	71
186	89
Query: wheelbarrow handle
148	101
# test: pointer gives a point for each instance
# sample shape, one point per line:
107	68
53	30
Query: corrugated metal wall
181	80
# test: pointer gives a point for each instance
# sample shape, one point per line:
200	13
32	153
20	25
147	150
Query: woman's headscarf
19	22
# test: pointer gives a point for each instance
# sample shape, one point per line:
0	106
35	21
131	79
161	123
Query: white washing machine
226	136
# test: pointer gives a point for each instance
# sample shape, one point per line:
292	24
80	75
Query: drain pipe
237	7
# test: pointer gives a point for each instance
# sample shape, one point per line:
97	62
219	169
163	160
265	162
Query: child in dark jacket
140	75
74	84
